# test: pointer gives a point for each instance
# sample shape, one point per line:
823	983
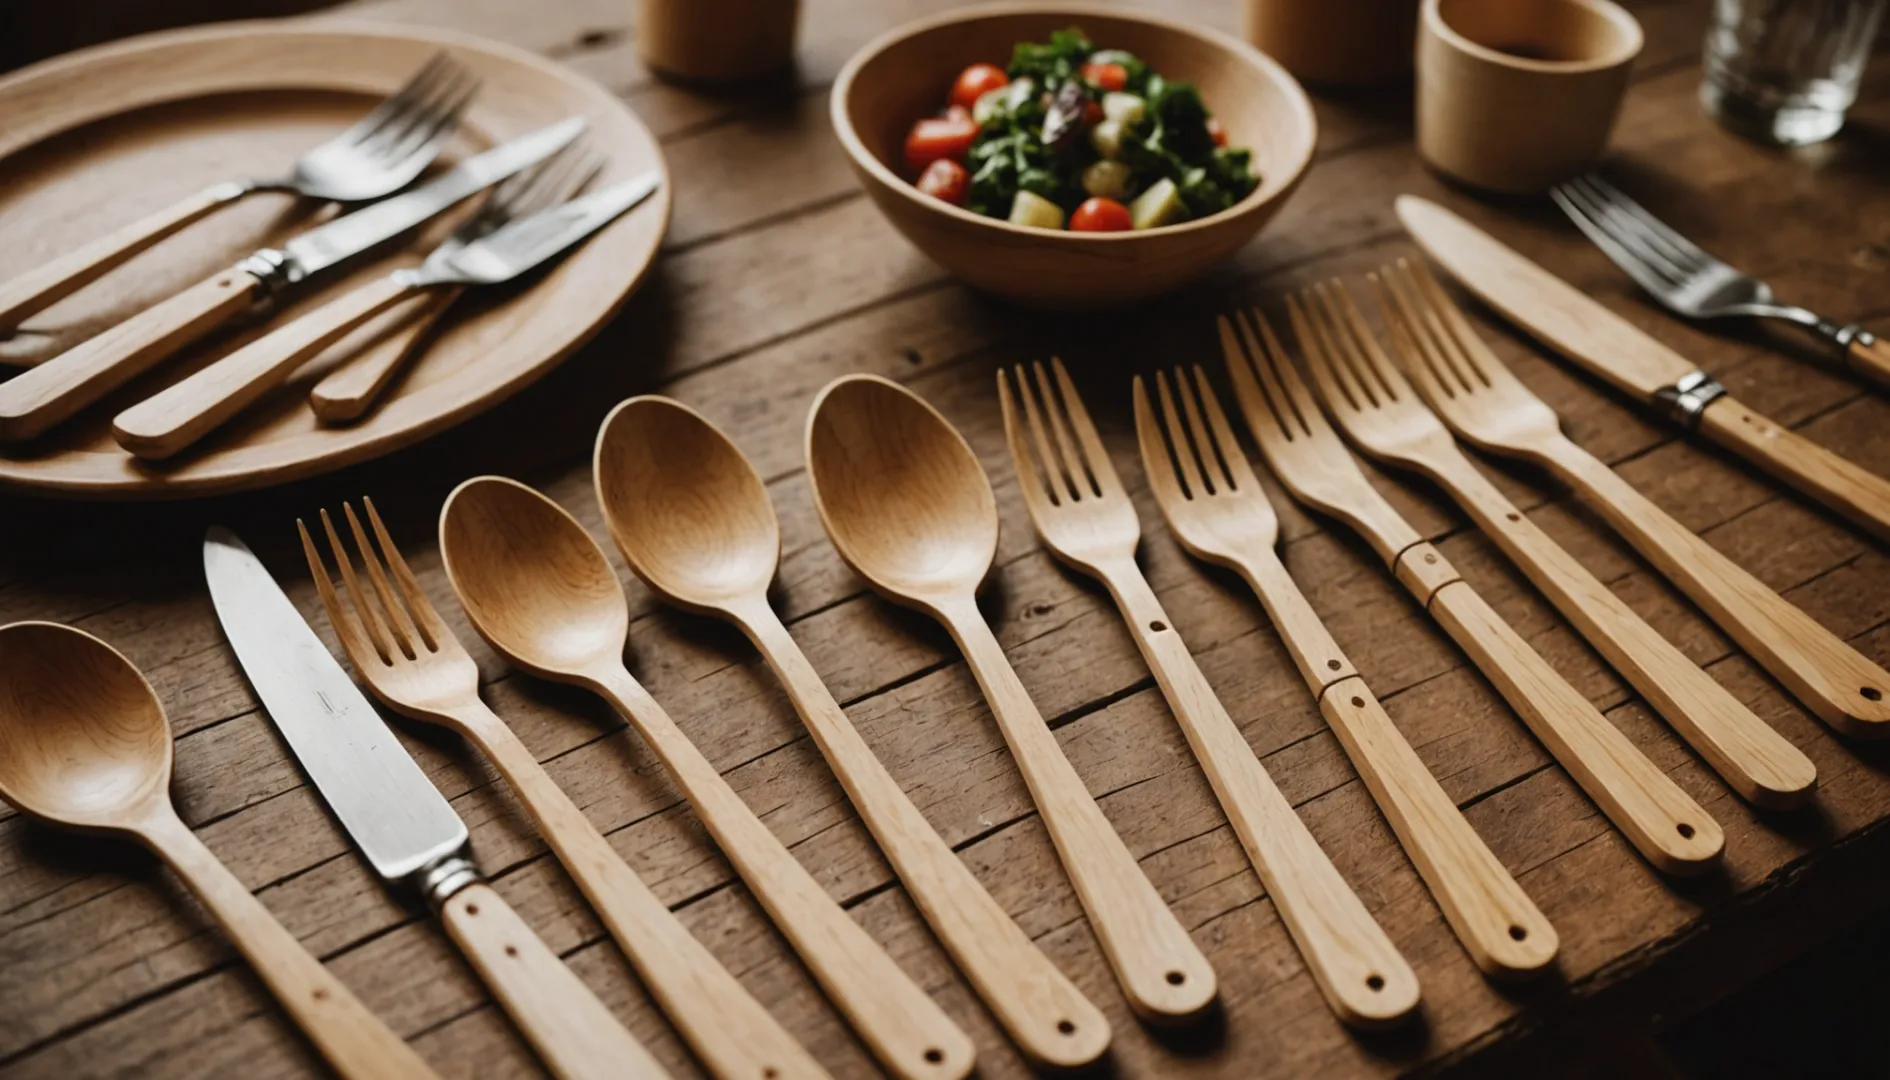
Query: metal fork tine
1593	225
1034	470
434	123
1157	451
1337	382
1064	486
1232	456
396	127
1078	469
1203	443
1633	228
432	627
1183	448
397	103
346	628
1683	249
362	609
1095	455
404	633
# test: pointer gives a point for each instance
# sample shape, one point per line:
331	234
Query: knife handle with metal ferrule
574	1033
40	397
1851	490
1668	828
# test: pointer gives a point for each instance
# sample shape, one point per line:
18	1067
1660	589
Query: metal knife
40	397
1609	346
403	825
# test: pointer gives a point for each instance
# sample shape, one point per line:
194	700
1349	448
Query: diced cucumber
1033	211
990	105
1107	179
1106	137
1160	205
1124	109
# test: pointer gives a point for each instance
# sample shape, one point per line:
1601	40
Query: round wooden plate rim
86	473
864	158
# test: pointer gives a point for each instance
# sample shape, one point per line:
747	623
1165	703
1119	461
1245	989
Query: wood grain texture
1869	356
1856	492
350	390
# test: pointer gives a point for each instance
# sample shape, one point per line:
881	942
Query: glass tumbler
1784	71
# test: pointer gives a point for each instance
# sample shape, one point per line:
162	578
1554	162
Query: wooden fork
1382	416
1485	404
412	662
1215	506
1084	516
1662	821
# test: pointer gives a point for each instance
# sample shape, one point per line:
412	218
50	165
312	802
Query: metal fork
1663	822
1693	283
1215	506
409	658
347	392
380	154
1383	416
1484	402
1083	514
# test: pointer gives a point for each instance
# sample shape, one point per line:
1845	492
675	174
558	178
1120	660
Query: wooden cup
717	40
1336	42
1518	95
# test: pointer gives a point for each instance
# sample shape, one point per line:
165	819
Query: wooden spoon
541	592
692	517
84	744
910	509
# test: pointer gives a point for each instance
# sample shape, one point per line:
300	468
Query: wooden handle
186	411
1044	1013
1499	925
348	391
1365	979
49	283
1806	467
1869	356
1755	760
1835	681
895	1017
40	397
727	1028
575	1035
1663	822
1163	973
350	1037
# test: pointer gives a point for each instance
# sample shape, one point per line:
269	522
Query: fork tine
1157	454
1204	449
1418	324
1034	470
1081	474
1451	330
346	628
1683	249
1095	456
1232	456
1336	381
426	617
1192	485
1438	382
397	103
414	106
1280	367
1061	479
1635	227
436	124
1594	225
1257	386
1370	354
364	610
402	627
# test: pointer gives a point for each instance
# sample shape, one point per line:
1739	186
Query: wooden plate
100	137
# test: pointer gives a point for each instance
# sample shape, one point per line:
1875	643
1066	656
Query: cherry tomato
939	138
945	179
1106	77
1216	132
1100	215
957	112
1092	114
976	81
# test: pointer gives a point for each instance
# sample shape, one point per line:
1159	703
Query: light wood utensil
410	659
1662	821
692	518
1217	509
1085	518
1484	402
84	744
541	592
910	510
1385	418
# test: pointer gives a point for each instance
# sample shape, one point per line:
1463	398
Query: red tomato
1106	77
940	138
1216	132
957	112
1100	215
1092	113
976	81
945	179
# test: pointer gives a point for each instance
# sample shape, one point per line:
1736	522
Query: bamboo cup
1518	95
717	40
1336	42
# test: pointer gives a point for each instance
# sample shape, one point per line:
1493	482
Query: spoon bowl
901	494
689	512
83	738
534	583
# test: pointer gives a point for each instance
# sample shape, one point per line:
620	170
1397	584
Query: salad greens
1157	128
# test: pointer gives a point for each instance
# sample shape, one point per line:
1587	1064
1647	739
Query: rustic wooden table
778	277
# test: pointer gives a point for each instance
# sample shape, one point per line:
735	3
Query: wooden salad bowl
906	75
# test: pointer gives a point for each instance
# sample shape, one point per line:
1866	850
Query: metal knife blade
351	234
508	252
1551	309
390	808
